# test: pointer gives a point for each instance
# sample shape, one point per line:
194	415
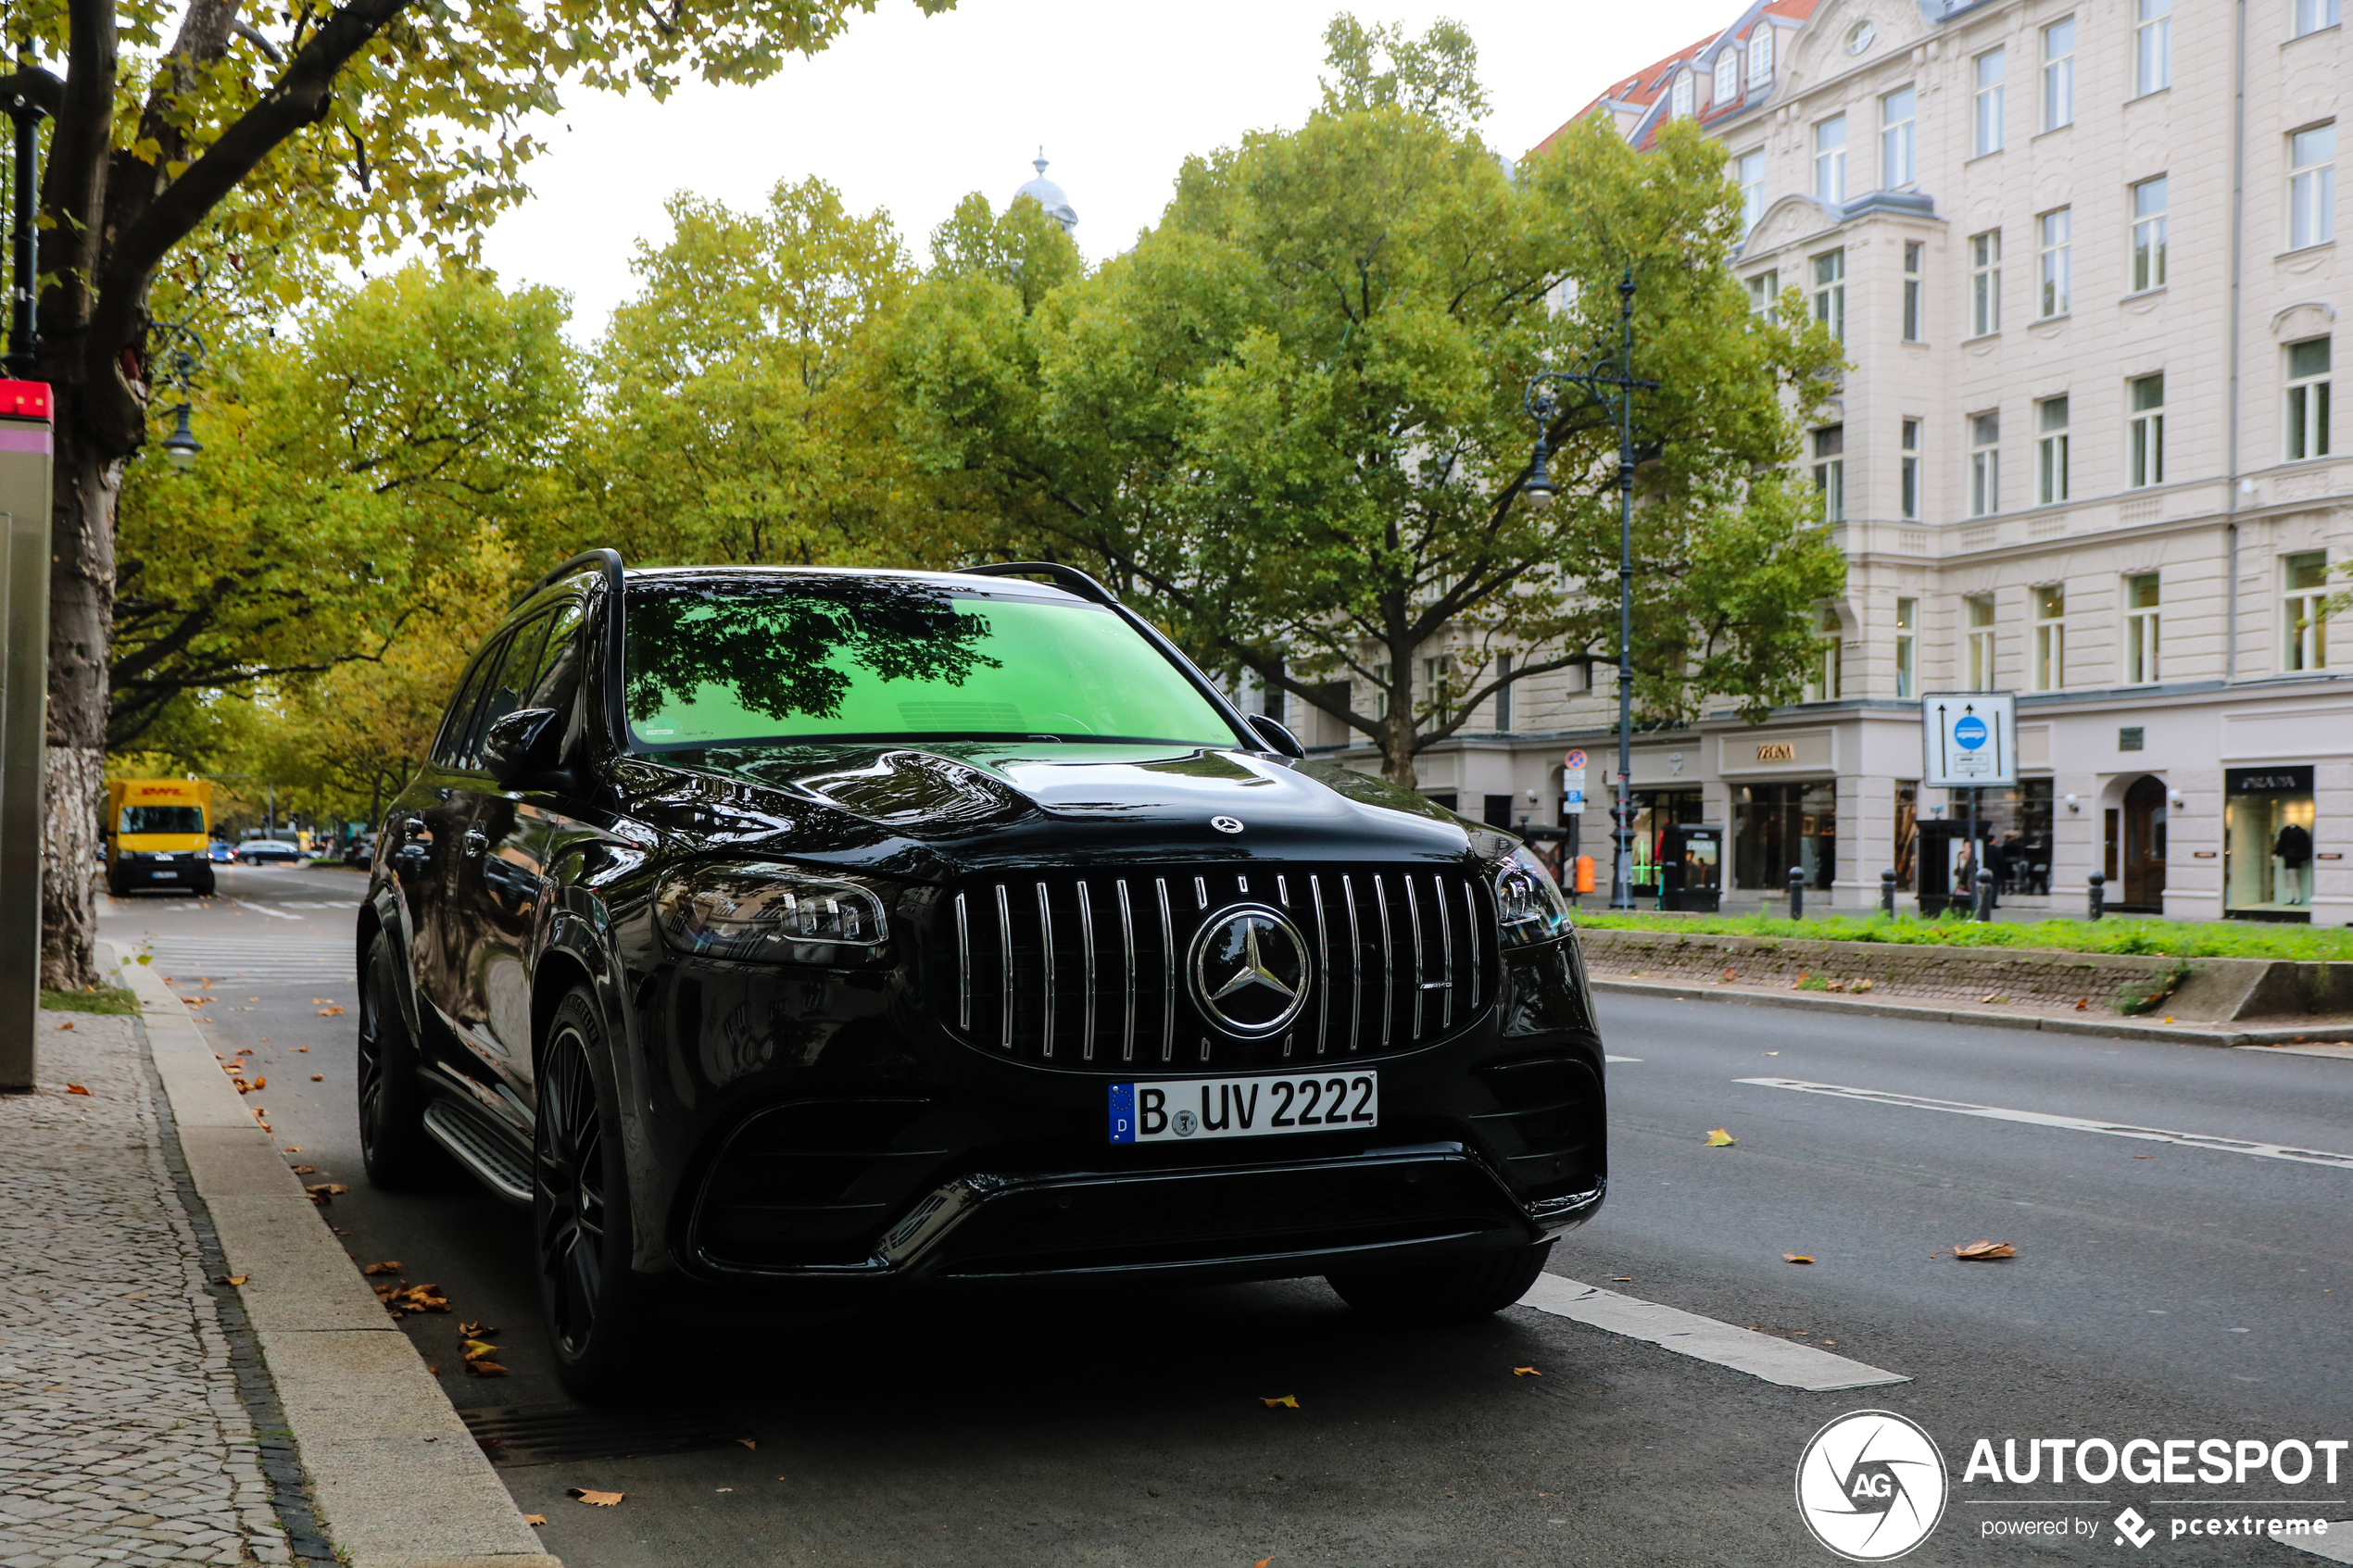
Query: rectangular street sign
1573	802
1969	739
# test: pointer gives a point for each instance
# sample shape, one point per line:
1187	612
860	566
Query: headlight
1528	900
772	914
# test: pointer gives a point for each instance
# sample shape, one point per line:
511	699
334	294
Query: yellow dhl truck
157	833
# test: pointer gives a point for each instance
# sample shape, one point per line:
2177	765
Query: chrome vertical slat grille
1398	958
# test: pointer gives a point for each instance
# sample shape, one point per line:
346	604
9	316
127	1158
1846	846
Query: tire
1444	1292
203	886
399	1154
596	1308
115	885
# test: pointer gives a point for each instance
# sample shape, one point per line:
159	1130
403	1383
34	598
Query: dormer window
1728	76
1679	106
1760	58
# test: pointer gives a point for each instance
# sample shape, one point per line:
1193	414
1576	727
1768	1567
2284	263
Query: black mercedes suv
860	929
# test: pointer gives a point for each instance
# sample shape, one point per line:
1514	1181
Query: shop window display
1776	826
2267	828
1655	812
2015	827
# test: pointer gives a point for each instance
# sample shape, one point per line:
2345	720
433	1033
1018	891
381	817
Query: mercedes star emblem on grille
1227	824
1249	970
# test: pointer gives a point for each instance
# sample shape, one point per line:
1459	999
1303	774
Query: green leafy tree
1289	421
346	467
361	126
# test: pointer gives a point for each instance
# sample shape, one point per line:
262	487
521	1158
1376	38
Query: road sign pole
24	688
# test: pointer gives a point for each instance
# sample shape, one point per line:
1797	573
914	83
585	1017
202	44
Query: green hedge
2226	939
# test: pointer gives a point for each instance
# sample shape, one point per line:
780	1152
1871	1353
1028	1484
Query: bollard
1887	894
2091	912
1797	893
1984	909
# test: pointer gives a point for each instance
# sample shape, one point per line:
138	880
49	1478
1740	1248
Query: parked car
360	850
843	930
269	852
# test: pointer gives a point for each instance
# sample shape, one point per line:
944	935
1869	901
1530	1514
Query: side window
558	676
450	746
518	666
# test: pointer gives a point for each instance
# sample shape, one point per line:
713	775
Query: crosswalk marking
1688	1334
314	961
2072	1124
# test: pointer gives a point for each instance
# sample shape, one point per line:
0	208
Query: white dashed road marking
263	908
2073	1123
1688	1334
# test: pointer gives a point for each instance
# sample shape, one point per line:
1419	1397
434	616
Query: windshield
162	818
760	661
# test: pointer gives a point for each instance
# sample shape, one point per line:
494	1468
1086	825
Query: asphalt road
2160	1290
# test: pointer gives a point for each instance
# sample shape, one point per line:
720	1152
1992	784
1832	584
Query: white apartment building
2084	257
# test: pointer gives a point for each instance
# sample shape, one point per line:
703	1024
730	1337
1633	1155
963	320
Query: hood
961	806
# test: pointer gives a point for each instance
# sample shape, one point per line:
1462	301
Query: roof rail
1068	577
608	558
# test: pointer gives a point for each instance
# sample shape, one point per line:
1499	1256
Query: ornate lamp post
180	365
1608	380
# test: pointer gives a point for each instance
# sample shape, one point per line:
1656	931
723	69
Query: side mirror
1277	739
523	745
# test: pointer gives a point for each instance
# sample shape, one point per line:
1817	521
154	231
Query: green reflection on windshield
714	662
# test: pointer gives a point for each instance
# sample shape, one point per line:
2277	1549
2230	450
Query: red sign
24	400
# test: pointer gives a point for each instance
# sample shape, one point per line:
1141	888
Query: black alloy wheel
394	1144
593	1302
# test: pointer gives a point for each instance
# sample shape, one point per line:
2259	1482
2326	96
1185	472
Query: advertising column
24	686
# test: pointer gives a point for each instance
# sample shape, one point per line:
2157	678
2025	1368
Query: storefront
2267	843
1655	812
1778	826
2014	826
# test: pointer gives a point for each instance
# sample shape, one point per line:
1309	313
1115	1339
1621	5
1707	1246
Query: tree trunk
81	628
1397	734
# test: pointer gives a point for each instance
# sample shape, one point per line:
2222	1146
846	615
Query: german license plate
165	876
1185	1110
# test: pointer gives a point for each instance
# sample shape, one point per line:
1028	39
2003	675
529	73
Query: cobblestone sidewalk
123	1435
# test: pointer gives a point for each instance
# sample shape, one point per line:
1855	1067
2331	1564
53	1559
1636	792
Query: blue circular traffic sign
1970	732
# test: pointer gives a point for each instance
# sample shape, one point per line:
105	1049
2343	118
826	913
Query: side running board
479	1152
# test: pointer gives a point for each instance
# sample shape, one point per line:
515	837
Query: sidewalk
124	1434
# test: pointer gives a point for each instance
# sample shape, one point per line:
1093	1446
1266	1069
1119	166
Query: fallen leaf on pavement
324	1193
294	1148
1262	1562
330	1012
1289	1401
317	1077
305	1170
2145	1157
477	1350
1621	1279
475	1331
600	1500
1732	974
1719	1138
65	1025
1526	1372
1797	1257
748	1442
302	1048
492	1369
535	1519
229	1279
76	1089
2082	1003
1984	1251
391	1267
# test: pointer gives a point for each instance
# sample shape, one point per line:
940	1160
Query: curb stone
1936	1013
395	1477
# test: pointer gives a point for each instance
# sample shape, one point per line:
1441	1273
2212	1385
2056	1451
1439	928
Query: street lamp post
1609	381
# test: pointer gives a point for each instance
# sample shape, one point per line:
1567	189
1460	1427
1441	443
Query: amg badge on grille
1249	970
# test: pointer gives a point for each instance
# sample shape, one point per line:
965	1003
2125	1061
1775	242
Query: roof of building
1640	97
1049	195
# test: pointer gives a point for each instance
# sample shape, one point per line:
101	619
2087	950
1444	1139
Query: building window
2152	44
1984	464
2307	399
1911	499
1830	471
2058	74
1680	108
2267	842
1830	160
1915	257
1752	182
1763	290
1895	111
2148	235
1728	77
2304	610
1985	282
1992	67
2313	15
2050	637
1981	641
1381	690
1829	675
2140	630
2144	458
1906	648
2311	186
2050	451
1504	694
1829	292
2054	235
1760	56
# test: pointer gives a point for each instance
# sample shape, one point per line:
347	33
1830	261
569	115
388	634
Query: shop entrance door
2145	843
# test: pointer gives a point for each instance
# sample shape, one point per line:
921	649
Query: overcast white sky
908	113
